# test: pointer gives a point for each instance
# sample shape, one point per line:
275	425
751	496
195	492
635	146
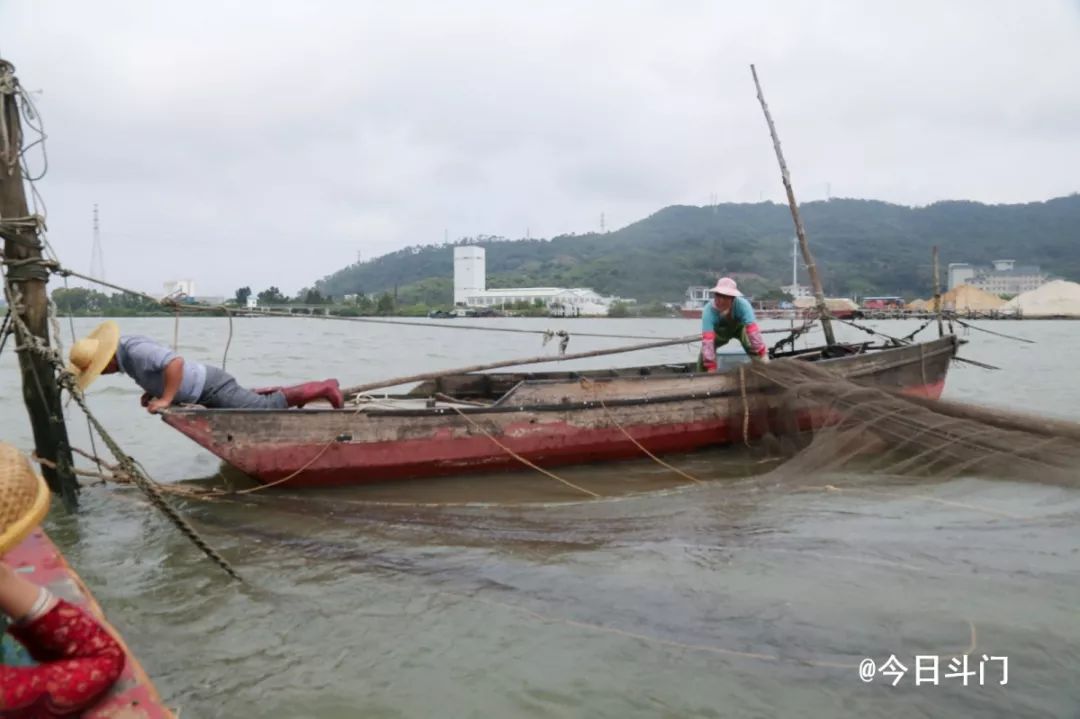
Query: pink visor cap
726	286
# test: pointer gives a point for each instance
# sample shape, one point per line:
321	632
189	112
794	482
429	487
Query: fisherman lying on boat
729	315
169	379
78	660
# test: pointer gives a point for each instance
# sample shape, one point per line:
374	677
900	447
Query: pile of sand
1054	299
966	297
919	305
835	304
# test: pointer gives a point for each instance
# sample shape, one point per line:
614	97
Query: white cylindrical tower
470	273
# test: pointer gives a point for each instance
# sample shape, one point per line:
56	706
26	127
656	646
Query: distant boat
133	695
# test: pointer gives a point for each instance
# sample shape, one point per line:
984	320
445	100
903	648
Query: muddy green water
507	596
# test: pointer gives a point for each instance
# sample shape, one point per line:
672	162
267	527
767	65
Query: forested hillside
862	247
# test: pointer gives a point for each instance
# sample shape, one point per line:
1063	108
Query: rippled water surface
509	596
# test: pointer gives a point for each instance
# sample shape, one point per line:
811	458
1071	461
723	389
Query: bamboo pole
800	231
350	391
1001	417
27	279
393	382
937	295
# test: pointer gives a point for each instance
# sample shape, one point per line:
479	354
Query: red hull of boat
318	448
349	464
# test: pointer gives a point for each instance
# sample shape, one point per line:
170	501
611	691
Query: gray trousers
221	391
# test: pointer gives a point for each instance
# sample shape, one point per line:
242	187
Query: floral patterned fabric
77	663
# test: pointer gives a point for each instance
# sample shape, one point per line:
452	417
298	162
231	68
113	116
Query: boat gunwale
949	347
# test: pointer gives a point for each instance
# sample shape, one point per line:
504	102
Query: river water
507	596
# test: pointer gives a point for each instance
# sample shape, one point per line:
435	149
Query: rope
639	445
911	336
907	341
228	340
746	406
176	332
329	443
991	332
4	330
64	485
178	307
150	488
32	119
871	331
310	462
29	268
521	459
71	327
794	335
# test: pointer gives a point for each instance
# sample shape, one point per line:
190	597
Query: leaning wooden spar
477	422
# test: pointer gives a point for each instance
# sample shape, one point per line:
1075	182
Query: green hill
861	246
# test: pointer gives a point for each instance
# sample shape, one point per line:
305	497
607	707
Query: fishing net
818	422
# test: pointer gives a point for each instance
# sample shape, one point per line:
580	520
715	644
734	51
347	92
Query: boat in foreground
482	422
133	696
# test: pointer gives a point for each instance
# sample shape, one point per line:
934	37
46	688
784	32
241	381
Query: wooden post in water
22	247
937	295
800	231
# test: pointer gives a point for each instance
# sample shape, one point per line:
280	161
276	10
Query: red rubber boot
301	394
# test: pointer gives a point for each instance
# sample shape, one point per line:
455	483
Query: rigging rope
130	468
172	304
521	459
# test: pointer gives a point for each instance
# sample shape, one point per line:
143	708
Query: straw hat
726	286
24	497
92	353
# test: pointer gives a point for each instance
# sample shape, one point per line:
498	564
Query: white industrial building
1003	278
185	290
180	287
470	290
796	290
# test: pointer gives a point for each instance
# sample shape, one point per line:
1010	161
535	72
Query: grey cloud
217	136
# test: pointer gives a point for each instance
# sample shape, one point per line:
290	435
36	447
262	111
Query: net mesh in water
821	422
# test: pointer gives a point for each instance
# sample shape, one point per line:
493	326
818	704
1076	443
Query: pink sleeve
757	342
79	661
708	349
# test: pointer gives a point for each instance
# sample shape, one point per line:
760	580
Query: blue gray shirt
742	315
144	361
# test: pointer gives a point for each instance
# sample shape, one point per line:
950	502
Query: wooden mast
29	299
800	231
937	295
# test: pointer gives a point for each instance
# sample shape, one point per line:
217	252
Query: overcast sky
262	143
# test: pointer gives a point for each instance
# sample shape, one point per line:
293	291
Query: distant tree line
81	301
862	247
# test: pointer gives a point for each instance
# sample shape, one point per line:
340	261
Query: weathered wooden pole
29	299
800	231
937	296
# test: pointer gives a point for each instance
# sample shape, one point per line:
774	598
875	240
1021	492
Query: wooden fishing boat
133	696
477	422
